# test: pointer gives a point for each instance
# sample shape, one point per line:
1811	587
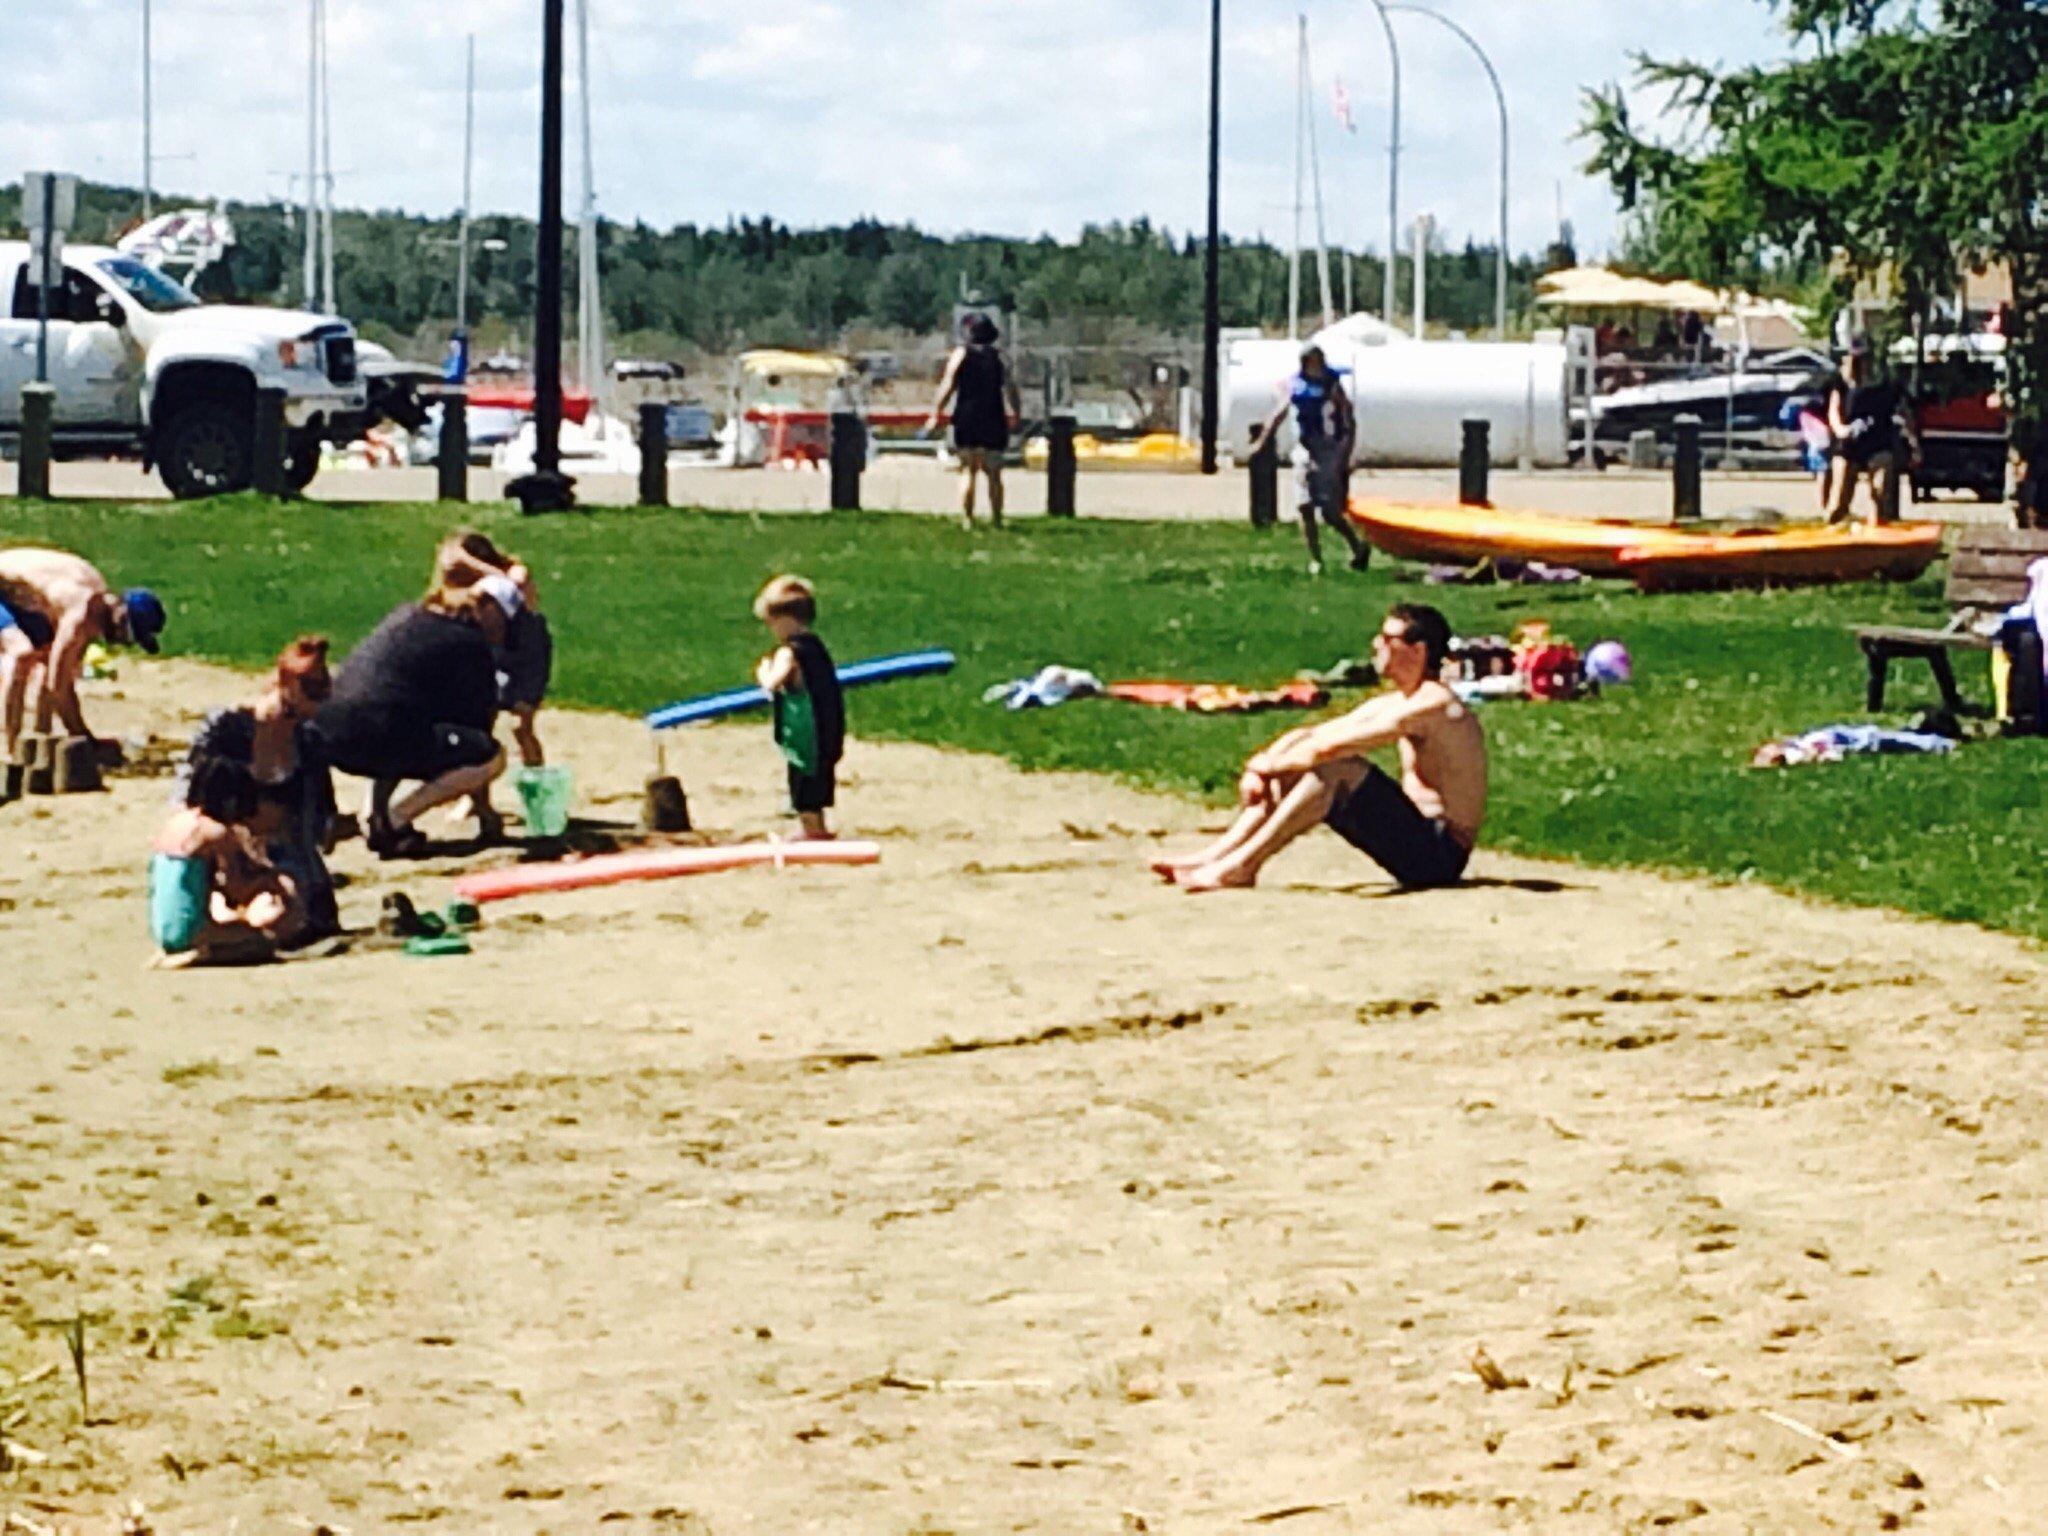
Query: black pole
547	489
547	324
1212	318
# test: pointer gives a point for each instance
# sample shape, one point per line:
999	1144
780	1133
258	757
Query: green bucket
546	794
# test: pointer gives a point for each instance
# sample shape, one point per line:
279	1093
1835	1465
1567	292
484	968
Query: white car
140	363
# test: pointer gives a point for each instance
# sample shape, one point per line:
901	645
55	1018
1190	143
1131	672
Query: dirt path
999	1188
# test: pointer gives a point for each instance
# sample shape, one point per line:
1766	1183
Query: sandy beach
1001	1188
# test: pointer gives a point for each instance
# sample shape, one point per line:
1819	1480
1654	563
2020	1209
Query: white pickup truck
139	363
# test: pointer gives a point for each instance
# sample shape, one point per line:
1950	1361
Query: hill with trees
757	282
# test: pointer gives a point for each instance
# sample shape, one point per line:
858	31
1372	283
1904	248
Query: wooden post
266	443
1475	457
848	456
1685	469
1265	485
451	457
38	406
654	453
1060	466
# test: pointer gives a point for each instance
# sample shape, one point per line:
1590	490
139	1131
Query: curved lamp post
1393	162
1500	258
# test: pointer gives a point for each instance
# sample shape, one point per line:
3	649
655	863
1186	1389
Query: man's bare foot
1217	877
1170	868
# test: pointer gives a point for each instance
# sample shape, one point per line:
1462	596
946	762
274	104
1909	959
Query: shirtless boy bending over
1420	830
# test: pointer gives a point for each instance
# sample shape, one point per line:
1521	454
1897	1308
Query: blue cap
145	617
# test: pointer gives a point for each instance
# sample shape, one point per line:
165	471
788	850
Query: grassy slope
651	607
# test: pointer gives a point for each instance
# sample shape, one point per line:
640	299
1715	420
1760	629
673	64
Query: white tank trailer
1412	396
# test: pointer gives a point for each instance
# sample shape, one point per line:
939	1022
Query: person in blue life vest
1325	430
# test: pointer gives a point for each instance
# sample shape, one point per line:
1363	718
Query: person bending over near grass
1420	830
53	605
416	701
213	898
1326	431
810	710
977	383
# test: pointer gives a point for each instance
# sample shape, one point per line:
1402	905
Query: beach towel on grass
1832	743
1220	698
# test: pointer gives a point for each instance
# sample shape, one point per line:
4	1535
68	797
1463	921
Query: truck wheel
206	450
301	461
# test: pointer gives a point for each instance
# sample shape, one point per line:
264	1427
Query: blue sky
1022	117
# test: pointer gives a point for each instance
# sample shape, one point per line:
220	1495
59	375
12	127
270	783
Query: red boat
507	397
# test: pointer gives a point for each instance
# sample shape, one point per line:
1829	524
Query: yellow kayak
1650	555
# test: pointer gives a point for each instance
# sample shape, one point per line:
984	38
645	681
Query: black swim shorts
374	743
36	629
1381	822
812	791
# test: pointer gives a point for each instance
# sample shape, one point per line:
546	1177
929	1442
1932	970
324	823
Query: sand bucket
545	793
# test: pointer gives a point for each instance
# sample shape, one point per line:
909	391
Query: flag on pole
1341	100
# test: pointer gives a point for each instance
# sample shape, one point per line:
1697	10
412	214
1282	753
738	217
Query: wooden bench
1987	574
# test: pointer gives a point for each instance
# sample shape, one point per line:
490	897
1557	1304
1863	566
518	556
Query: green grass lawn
650	607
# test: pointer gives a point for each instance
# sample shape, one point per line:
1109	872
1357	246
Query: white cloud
1022	116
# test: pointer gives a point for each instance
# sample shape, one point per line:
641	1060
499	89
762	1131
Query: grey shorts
1322	478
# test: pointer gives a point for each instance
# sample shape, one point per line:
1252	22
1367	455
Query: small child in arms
213	897
810	713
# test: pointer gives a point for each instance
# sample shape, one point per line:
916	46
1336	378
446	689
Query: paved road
918	485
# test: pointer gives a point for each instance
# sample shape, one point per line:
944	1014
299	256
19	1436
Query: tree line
758	282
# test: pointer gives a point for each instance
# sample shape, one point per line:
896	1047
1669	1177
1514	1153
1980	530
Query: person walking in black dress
978	384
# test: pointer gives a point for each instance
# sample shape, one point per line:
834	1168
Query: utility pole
1212	317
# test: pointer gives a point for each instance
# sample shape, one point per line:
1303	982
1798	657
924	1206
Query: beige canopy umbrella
1601	288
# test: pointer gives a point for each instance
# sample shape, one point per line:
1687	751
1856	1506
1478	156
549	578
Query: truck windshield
148	287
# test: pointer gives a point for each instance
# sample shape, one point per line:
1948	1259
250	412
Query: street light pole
547	489
1500	99
1393	167
1212	317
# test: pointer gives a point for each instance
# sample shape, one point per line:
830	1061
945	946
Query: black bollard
266	444
2022	644
1475	457
38	407
1060	466
848	454
451	456
1265	482
654	453
1685	469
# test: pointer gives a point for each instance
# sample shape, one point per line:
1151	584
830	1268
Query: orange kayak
1459	535
1891	551
1651	555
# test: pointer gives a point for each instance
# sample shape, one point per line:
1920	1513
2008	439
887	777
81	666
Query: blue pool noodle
881	669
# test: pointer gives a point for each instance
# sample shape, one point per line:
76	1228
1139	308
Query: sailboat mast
589	314
312	259
327	299
1315	172
468	162
148	126
1300	131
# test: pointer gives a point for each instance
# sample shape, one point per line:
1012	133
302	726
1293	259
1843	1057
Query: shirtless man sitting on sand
53	605
1421	830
